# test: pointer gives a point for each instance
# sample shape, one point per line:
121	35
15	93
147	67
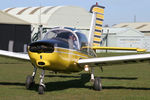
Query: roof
137	26
125	31
69	16
9	19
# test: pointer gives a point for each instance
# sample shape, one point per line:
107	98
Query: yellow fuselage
61	60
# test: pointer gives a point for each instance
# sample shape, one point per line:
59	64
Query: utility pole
40	24
134	18
107	39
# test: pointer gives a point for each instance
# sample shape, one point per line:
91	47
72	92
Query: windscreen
63	35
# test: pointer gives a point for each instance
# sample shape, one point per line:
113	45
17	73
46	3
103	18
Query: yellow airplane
67	50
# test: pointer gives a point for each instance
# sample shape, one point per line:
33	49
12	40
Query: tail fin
96	25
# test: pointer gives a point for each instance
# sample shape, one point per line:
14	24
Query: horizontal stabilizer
118	48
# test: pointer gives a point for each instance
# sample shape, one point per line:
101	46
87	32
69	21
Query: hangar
125	37
143	27
79	18
15	33
53	16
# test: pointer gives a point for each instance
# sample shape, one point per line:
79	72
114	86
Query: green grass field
121	82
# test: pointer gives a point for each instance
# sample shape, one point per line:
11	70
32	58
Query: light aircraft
67	50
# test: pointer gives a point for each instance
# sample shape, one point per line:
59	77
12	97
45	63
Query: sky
116	11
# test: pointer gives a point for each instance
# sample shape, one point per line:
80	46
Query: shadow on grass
123	87
59	85
120	78
113	78
62	76
75	83
11	83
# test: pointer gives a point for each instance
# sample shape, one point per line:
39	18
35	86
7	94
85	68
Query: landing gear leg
97	81
34	72
41	85
30	79
92	74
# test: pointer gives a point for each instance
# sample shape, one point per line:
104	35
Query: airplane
67	50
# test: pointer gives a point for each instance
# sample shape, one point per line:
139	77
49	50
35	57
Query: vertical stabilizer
96	25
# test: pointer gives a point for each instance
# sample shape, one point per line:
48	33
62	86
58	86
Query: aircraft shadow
59	85
76	83
120	78
11	83
62	76
113	78
127	88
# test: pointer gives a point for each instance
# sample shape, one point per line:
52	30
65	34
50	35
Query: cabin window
83	42
63	35
84	45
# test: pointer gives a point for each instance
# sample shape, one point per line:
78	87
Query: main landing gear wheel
41	89
29	82
97	84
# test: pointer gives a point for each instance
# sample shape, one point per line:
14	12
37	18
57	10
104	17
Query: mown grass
121	82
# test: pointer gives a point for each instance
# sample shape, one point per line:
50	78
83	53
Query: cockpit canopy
75	40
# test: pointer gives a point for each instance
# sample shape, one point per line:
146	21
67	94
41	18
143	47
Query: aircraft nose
41	47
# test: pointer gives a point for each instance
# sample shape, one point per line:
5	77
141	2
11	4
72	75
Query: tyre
97	84
41	89
29	82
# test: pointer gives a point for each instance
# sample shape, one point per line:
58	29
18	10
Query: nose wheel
41	85
30	81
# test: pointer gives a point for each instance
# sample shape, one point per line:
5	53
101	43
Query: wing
14	55
103	61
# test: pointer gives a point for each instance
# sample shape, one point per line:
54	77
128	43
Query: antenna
96	3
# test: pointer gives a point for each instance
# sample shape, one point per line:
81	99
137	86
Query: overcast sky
116	11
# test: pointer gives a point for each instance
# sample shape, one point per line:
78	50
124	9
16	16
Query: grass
121	82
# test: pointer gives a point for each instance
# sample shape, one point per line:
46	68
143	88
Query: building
15	33
142	27
70	16
53	16
125	37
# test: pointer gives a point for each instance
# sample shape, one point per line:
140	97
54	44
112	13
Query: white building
143	27
125	37
53	16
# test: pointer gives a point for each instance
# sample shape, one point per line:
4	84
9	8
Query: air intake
41	63
41	47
